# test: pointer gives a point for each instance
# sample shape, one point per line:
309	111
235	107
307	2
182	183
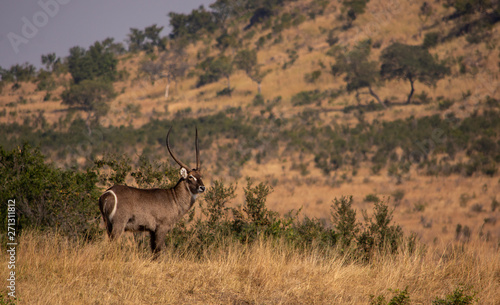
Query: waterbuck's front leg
158	238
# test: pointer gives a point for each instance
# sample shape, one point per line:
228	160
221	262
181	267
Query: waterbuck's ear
184	173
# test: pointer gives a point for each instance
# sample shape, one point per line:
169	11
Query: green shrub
344	218
444	104
372	198
431	39
312	77
332	39
258	100
400	298
225	92
216	198
45	81
307	98
255	204
459	297
46	197
398	195
494	204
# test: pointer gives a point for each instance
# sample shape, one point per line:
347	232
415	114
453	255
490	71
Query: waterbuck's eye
192	177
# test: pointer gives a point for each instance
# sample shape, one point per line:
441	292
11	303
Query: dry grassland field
320	114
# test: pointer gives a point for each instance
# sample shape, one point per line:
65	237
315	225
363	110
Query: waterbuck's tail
107	204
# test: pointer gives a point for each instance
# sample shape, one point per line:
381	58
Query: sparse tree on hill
411	63
50	61
116	48
191	25
18	73
91	96
152	69
172	65
175	65
225	66
246	60
147	40
214	68
359	71
98	62
135	39
227	40
222	9
152	34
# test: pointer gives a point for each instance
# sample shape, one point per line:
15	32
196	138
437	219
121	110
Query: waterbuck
126	208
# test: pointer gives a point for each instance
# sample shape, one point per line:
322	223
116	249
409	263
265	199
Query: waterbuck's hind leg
152	235
108	226
117	230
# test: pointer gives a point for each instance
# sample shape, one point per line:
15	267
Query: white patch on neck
193	196
114	207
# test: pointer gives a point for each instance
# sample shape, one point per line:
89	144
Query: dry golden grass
53	270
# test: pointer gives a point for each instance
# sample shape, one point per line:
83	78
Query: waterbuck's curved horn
197	151
172	154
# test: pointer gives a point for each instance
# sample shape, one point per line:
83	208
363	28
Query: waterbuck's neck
183	196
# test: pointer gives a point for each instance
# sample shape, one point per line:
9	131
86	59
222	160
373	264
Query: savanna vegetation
350	150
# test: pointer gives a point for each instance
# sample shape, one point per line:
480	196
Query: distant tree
135	39
153	69
411	63
225	66
468	7
189	26
172	65
425	12
352	9
153	38
18	73
116	48
45	81
98	62
222	9
3	72
50	61
431	39
359	71
179	24
246	60
146	40
260	15
175	64
91	96
78	64
213	69
227	40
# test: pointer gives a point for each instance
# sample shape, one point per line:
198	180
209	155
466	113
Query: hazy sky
29	29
